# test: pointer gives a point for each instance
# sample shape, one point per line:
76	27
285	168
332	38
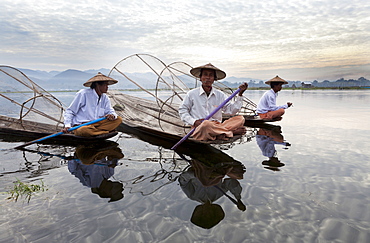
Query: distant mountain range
67	80
73	79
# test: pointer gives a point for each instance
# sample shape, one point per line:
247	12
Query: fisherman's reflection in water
205	183
266	140
94	165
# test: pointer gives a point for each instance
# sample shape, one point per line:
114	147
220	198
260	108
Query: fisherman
266	140
267	108
91	104
94	165
200	102
206	184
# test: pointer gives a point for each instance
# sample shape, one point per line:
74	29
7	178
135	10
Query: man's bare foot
222	137
240	131
279	118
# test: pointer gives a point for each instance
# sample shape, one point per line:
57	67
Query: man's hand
65	130
243	87
198	122
110	117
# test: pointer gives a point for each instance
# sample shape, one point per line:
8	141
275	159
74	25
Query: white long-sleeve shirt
267	145
87	106
268	102
90	175
197	105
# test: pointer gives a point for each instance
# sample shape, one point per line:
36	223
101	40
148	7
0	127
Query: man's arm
71	111
271	100
110	113
184	111
233	108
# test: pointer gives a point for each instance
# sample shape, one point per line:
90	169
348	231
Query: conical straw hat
100	77
207	215
276	79
219	73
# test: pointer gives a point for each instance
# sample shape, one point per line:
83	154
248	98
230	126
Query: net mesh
24	100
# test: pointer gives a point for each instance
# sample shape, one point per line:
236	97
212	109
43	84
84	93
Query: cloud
243	37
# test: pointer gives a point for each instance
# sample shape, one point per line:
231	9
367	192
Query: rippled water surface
309	183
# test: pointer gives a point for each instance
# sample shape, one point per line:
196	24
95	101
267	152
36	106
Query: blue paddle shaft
60	133
71	129
87	123
207	118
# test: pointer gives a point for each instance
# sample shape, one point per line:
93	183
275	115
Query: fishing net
161	90
149	74
24	100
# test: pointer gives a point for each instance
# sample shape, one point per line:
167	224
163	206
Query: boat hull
14	130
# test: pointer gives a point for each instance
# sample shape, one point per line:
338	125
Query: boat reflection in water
93	165
205	183
267	138
209	175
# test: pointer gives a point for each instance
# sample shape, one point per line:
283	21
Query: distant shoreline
314	88
251	88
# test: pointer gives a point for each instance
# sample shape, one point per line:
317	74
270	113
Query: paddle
208	117
47	154
60	133
238	203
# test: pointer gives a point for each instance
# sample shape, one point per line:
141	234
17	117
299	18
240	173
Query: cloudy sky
296	39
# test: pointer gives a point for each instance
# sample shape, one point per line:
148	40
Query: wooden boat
195	149
15	130
157	113
143	115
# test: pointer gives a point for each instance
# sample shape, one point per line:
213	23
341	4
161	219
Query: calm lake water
309	183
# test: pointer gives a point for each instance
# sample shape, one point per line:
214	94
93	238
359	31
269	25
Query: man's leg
211	130
235	124
98	128
208	130
107	125
272	114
